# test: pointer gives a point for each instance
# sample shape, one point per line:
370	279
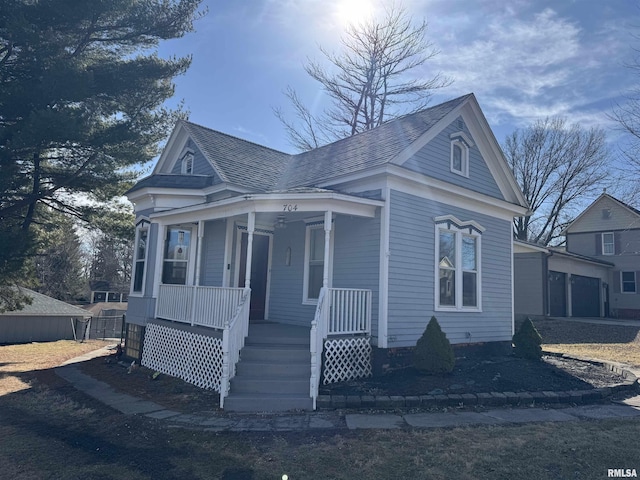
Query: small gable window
460	144
187	164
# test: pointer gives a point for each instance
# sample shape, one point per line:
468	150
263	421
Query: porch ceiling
293	206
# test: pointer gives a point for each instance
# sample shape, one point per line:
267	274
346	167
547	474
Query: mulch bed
498	374
471	375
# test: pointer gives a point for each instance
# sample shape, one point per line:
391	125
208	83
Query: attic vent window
187	164
460	144
606	213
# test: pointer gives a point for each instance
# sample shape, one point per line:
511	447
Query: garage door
557	294
585	296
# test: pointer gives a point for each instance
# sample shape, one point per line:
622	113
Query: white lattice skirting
194	358
346	359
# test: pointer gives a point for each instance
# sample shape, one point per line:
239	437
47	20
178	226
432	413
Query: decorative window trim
142	228
307	254
633	282
460	140
460	230
186	162
611	244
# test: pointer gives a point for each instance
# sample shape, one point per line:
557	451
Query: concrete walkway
600	321
326	420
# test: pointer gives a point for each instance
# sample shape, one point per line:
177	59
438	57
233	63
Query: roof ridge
385	124
236	138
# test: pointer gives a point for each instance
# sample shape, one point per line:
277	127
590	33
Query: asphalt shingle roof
44	305
263	169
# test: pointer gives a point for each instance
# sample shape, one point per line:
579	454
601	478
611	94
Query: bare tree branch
555	165
377	76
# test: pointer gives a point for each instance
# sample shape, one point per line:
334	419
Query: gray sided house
262	274
45	319
595	275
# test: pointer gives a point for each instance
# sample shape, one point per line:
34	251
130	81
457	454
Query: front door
259	272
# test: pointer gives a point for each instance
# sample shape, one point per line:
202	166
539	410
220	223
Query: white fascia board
361	183
175	144
221	187
423	186
492	152
260	203
526	247
426	137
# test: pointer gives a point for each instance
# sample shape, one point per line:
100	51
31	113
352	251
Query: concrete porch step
275	353
251	402
270	385
272	369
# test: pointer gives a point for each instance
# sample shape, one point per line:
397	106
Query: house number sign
290	207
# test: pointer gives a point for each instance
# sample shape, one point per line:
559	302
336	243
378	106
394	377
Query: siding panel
435	157
212	260
412	275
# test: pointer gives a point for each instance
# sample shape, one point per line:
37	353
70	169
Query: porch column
199	252
251	226
327	243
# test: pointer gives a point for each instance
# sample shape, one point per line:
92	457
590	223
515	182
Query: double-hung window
608	244
140	260
176	256
458	269
628	282
314	263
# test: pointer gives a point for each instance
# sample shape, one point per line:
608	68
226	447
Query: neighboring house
347	250
45	319
609	230
553	282
595	275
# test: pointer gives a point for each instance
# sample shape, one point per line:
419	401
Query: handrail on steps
317	336
233	336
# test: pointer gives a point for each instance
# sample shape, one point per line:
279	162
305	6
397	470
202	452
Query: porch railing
316	344
350	311
233	337
205	306
340	311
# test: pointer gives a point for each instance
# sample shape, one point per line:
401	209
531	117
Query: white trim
237	228
140	226
187	156
464	158
228	253
513	302
459	223
428	188
162	233
262	203
459	233
383	296
463	135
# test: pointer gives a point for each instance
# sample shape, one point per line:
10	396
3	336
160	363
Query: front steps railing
341	328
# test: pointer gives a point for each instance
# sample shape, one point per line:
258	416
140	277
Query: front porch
267	266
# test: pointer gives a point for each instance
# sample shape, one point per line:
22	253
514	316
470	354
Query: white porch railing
318	334
340	311
233	336
350	311
205	306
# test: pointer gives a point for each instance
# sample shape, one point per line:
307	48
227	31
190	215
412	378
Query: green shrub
527	341
433	352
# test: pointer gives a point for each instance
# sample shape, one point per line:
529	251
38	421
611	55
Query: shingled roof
263	169
42	305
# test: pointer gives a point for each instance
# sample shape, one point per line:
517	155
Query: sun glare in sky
353	11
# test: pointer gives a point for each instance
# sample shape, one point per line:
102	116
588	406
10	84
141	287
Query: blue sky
524	60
